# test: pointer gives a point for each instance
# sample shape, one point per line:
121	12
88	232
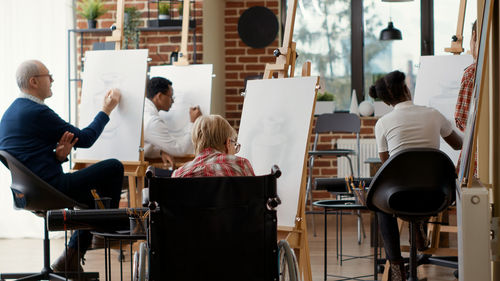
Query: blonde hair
211	131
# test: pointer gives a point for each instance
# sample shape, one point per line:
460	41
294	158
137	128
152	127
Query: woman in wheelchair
407	126
215	144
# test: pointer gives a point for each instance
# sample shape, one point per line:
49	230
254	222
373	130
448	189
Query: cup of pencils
358	189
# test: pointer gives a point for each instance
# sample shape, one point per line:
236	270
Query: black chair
33	194
332	123
413	184
213	228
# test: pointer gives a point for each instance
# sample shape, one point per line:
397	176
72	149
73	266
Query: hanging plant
131	26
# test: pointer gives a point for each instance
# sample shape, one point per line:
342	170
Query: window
323	35
445	24
382	57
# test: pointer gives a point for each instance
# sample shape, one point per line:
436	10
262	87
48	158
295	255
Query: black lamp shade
390	33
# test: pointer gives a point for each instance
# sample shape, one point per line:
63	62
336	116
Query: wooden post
456	45
285	66
117	35
183	54
286	55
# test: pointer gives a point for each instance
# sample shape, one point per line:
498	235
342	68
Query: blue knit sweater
30	132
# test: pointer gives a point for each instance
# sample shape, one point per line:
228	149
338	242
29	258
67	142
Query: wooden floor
26	254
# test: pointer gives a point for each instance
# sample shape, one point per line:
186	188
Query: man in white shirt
158	141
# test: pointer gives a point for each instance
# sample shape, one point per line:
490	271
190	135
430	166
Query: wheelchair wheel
288	266
139	265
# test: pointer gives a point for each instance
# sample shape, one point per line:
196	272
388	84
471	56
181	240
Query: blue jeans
105	177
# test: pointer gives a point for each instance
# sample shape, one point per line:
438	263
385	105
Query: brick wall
241	60
160	43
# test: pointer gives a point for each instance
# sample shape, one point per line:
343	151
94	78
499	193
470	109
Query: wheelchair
213	228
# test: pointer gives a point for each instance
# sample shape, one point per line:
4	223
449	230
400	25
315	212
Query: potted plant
131	26
180	9
325	103
163	11
91	10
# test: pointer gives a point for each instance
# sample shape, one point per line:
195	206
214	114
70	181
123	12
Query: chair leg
309	193
413	253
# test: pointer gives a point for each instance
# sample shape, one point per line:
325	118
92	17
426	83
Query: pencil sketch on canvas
274	129
438	83
125	70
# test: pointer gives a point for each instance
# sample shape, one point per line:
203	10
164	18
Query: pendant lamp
390	33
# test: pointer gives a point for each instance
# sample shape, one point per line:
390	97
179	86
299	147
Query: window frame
357	39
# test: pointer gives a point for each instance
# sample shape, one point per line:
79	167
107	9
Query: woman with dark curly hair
407	126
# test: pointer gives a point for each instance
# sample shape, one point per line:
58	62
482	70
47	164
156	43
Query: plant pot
324	107
163	17
92	24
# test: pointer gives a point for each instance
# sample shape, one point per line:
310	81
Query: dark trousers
390	235
105	177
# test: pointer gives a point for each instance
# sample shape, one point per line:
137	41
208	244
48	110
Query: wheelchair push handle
275	171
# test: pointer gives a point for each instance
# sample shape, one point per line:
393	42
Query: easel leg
304	264
140	187
132	192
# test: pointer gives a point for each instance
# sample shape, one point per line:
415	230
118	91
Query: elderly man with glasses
36	136
215	147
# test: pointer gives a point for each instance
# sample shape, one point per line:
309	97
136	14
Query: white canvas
192	86
274	129
125	70
438	83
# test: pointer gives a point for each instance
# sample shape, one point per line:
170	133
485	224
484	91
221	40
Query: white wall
31	29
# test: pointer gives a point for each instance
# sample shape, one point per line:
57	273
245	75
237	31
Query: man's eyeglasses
41	75
237	146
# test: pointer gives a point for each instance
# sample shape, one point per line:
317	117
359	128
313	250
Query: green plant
131	26
164	8
325	97
91	9
180	8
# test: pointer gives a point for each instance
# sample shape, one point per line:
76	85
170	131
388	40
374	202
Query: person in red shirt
466	92
467	85
215	144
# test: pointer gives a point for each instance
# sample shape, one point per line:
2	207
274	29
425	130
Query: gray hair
25	71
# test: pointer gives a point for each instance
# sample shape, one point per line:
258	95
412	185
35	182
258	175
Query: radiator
473	219
368	149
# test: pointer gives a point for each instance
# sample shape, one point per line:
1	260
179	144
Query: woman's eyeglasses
237	146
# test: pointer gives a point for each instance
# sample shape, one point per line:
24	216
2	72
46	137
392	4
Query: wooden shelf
91	30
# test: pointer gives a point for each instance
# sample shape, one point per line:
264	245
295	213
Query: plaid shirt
464	97
463	105
213	163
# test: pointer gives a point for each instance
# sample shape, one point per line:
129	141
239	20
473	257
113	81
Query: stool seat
413	184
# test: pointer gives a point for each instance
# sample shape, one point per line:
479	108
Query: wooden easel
286	55
285	66
134	170
182	60
117	35
183	54
457	41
